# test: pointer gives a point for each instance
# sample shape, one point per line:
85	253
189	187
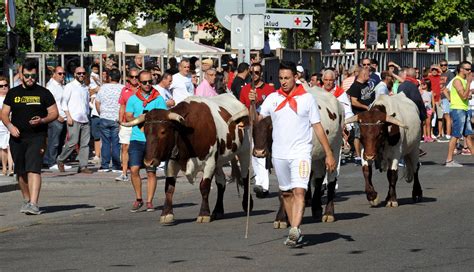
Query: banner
391	33
404	33
370	36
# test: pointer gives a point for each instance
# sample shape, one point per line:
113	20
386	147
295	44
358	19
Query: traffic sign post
291	21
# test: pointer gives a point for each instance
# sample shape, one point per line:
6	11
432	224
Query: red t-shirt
230	79
262	93
435	87
126	93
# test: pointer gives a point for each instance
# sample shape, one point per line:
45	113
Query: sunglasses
257	72
61	73
33	76
146	82
444	64
133	77
155	74
365	64
81	73
393	66
3	85
467	69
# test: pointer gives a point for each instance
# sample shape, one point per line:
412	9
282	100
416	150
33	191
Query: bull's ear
352	119
395	121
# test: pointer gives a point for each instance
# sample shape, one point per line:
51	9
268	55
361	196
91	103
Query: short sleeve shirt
135	106
364	94
108	96
27	103
292	132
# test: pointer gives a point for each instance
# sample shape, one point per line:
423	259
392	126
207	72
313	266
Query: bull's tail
236	175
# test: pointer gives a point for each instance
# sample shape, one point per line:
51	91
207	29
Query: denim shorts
461	123
136	154
445	105
95	128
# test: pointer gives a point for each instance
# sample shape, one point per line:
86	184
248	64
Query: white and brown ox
332	120
390	130
199	134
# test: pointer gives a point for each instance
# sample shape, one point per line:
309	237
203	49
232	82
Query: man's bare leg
34	185
23	183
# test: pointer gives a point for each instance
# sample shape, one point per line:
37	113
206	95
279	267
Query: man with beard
259	93
75	104
146	99
31	107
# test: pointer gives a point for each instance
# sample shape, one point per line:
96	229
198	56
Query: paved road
87	226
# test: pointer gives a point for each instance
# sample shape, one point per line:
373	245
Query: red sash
290	98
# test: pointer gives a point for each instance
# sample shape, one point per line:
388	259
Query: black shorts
27	153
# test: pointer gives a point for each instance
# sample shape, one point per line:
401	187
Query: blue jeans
56	137
461	123
109	131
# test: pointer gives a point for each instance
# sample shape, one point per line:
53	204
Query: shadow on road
315	239
60	208
180	205
409	200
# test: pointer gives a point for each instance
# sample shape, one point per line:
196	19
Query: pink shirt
205	89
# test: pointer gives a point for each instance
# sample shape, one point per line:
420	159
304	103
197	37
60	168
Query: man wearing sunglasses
31	107
75	104
460	94
146	99
261	91
56	129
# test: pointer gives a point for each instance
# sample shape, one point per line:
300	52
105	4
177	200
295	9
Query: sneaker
84	170
294	238
103	170
55	167
453	163
466	151
358	161
95	160
116	171
136	205
32	209
443	139
122	177
150	207
24	207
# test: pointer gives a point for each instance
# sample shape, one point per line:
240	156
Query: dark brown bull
192	138
386	139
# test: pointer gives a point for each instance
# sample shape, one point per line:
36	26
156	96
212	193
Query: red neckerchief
289	98
337	91
154	94
412	80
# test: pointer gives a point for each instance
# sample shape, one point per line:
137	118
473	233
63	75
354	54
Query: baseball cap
207	61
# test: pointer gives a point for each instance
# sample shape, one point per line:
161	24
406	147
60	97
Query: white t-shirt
57	90
292	133
3	128
181	87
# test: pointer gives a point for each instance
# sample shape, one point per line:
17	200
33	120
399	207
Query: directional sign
292	21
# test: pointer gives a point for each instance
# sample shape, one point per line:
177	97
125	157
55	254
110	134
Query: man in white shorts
294	112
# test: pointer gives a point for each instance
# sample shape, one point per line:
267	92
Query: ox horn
140	119
176	117
395	121
352	119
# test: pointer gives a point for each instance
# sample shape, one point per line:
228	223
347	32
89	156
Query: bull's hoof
374	202
217	216
417	197
167	219
392	204
203	219
244	204
280	225
328	218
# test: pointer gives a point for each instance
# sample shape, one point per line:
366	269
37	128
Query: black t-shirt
412	92
364	94
237	85
27	103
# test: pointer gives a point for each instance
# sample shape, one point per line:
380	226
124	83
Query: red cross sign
297	21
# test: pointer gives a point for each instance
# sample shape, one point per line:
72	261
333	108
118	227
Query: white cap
300	69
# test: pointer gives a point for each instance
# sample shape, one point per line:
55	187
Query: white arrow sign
292	21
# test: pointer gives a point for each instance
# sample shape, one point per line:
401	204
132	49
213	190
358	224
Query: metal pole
10	63
358	24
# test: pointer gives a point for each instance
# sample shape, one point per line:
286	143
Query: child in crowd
427	96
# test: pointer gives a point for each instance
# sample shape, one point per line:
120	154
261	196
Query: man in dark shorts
31	107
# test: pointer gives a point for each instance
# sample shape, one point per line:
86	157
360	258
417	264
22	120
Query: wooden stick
252	113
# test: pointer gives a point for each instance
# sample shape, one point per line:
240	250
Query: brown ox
390	130
332	120
199	134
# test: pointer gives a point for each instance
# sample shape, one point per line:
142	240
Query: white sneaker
116	171
453	163
122	177
55	167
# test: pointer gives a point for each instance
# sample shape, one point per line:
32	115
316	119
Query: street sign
292	21
10	12
224	9
247	30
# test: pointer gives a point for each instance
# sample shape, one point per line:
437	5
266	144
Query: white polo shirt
76	101
292	132
181	87
57	89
